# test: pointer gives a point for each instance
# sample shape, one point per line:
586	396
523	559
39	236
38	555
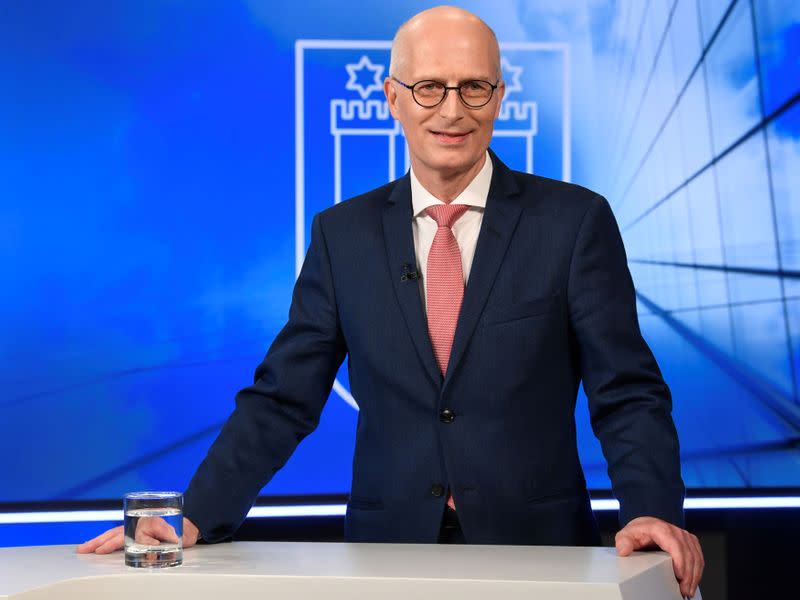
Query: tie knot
446	214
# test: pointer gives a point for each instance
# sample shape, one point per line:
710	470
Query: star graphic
512	83
357	69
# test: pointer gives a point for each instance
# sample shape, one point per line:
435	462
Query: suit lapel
499	221
399	238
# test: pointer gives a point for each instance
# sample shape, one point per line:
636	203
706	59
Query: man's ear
391	96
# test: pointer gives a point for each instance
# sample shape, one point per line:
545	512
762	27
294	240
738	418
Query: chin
454	161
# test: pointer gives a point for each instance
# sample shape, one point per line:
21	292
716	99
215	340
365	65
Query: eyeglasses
429	93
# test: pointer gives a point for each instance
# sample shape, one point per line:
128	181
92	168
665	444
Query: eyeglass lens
473	93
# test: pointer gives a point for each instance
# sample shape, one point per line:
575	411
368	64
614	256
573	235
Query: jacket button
447	416
437	489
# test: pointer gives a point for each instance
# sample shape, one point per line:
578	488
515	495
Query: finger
90	545
167	533
686	581
94	543
662	535
143	538
699	565
113	544
693	578
637	537
162	530
666	539
624	544
691	559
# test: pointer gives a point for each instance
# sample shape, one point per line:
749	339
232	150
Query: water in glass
153	529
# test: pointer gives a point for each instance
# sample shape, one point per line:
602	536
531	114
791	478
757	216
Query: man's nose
451	107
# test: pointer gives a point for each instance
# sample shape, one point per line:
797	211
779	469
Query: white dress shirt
465	229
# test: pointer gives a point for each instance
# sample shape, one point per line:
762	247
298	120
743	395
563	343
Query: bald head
460	25
452	51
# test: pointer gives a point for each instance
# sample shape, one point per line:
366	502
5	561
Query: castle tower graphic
517	118
365	116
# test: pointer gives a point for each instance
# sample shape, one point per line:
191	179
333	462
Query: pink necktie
445	289
445	286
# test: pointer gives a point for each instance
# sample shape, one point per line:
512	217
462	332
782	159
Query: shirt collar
475	193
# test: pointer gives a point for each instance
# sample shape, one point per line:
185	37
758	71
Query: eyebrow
458	81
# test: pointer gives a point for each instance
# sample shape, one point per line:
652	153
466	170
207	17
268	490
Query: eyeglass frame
447	90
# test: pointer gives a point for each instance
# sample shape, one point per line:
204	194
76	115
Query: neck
446	185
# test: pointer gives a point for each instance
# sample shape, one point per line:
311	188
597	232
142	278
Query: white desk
276	570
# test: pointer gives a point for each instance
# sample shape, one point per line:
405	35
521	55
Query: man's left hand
682	546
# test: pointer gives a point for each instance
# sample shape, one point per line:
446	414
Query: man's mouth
450	137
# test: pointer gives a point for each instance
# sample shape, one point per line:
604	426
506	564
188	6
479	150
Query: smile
451	137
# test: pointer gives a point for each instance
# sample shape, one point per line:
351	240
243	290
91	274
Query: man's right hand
150	530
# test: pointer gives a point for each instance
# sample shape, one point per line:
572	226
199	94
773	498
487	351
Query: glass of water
153	529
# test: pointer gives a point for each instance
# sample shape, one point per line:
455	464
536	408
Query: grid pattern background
147	228
705	185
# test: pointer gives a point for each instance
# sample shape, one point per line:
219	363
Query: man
466	426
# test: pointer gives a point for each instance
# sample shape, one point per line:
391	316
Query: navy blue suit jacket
549	302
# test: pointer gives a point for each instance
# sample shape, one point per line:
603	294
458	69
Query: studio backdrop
160	164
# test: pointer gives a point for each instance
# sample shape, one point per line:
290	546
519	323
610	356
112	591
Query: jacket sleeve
630	405
282	406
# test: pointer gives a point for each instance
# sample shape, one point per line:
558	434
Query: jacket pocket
522	310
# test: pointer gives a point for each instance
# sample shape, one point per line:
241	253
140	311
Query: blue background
147	220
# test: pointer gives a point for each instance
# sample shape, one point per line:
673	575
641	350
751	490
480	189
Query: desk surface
341	570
